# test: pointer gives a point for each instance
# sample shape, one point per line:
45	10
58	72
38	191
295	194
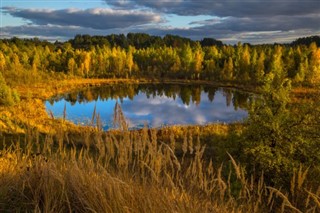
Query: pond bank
31	110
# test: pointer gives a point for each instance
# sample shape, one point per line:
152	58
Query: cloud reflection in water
155	111
162	110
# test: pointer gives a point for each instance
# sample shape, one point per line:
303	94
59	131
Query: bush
8	96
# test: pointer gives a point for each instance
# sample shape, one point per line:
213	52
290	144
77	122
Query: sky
231	21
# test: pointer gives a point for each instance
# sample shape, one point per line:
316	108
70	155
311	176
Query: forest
270	162
173	57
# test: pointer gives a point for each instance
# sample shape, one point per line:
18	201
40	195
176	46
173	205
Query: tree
210	42
7	96
260	69
16	65
87	62
314	76
197	61
2	62
129	60
280	135
244	70
276	69
71	66
301	73
186	57
227	71
35	62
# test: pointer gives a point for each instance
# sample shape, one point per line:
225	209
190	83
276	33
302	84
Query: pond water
152	105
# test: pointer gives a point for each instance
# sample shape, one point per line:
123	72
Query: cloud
253	20
249	29
95	18
229	36
48	32
53	33
225	8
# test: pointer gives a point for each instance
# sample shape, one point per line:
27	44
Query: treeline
138	40
307	41
174	57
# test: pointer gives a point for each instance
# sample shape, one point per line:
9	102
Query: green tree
277	65
244	65
301	72
280	135
129	60
7	96
260	69
186	57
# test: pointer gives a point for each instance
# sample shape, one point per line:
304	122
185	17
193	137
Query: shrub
8	96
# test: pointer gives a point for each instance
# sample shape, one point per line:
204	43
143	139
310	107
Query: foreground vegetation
139	172
268	163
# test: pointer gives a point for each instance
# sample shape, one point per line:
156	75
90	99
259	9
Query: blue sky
254	21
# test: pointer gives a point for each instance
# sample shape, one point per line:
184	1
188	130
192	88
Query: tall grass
134	171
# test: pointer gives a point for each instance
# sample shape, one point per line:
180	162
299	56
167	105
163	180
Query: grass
123	171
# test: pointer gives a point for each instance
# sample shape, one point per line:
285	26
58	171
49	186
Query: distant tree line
141	55
138	40
307	41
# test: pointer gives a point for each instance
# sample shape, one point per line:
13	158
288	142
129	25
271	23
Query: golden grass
124	171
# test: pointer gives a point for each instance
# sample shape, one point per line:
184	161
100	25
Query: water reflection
154	105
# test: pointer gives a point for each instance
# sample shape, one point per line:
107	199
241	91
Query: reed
134	171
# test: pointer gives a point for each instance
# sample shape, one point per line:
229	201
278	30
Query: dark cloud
96	18
52	32
275	23
48	32
253	21
224	8
56	32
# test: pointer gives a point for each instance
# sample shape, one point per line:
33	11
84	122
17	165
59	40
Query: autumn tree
197	62
314	66
259	69
71	66
7	95
186	57
2	62
228	69
129	60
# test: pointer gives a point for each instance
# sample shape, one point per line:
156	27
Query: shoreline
31	109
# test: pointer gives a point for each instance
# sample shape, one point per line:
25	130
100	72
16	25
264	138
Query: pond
154	105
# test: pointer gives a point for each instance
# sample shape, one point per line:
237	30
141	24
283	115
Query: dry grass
124	171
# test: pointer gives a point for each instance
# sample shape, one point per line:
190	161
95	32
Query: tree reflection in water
161	103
